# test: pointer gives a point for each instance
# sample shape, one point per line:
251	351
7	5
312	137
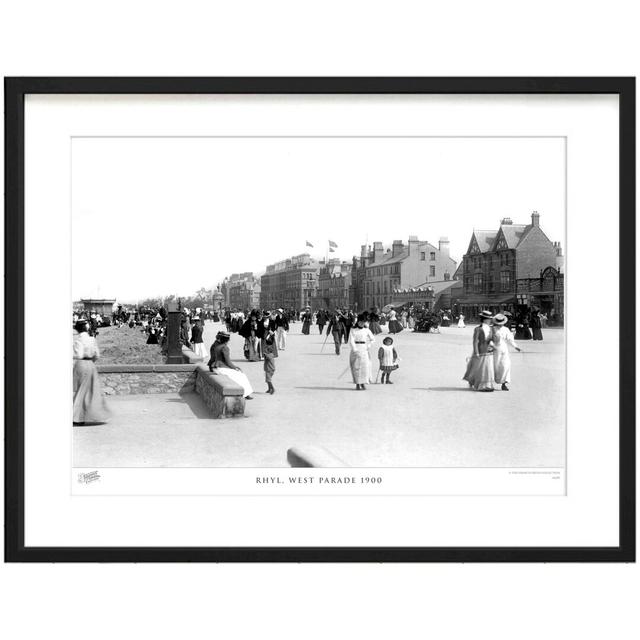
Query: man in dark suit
336	329
282	326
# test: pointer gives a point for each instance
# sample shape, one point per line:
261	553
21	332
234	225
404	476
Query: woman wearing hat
88	402
360	339
221	362
306	321
502	338
480	372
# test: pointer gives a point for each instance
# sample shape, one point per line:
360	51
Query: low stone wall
139	378
222	395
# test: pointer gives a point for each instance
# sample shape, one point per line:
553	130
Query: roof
439	287
513	233
389	258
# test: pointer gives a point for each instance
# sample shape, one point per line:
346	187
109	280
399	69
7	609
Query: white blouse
360	339
84	346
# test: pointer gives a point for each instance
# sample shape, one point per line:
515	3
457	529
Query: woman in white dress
220	363
360	339
502	338
461	324
88	402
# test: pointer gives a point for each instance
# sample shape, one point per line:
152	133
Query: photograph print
365	302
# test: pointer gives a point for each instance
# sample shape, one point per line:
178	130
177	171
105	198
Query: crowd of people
264	333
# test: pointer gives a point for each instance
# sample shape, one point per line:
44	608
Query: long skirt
88	402
199	350
360	364
374	327
537	333
411	323
480	373
461	324
236	376
305	327
269	367
251	351
394	326
502	366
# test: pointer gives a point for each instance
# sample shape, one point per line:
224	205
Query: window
432	271
432	256
505	280
423	255
477	282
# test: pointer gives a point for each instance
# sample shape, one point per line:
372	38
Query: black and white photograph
319	301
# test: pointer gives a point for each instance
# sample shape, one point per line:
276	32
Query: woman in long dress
536	325
360	339
480	372
306	321
394	324
220	363
502	338
461	324
374	322
88	402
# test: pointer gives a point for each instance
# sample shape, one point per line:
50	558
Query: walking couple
490	362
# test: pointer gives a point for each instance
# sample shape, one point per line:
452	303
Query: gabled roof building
496	259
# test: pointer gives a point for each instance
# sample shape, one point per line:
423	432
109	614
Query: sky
160	216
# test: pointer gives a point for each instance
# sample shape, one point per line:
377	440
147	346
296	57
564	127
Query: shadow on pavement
325	388
193	401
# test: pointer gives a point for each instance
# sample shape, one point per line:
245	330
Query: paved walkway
429	417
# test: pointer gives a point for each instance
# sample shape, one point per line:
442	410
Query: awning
484	301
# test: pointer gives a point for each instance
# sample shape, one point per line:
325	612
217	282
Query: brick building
496	259
290	283
334	286
377	274
241	291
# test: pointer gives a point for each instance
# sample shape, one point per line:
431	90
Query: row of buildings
512	266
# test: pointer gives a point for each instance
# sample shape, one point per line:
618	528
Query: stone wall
222	395
139	379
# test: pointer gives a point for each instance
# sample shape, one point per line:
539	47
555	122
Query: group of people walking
490	362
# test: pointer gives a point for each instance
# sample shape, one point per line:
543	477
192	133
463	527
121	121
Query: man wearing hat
282	326
480	372
502	338
267	333
337	329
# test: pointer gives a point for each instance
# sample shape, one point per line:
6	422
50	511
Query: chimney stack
506	221
397	248
535	219
413	244
378	251
443	246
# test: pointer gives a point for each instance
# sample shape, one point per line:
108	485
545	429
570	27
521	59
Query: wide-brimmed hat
280	311
266	314
387	340
223	334
500	318
486	315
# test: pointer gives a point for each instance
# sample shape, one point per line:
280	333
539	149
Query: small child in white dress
388	358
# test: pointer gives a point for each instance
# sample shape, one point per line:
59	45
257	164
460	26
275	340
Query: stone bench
189	356
223	396
313	457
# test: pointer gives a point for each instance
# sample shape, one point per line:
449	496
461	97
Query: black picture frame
15	91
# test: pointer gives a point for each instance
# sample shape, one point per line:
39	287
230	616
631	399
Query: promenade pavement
428	417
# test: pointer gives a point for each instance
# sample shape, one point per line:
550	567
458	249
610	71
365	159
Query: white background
364	38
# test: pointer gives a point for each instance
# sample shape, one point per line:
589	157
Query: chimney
413	244
363	251
558	248
397	248
506	221
378	251
535	219
443	246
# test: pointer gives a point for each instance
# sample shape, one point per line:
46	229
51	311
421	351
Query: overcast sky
155	216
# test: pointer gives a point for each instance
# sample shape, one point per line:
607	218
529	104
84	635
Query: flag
333	244
332	250
308	243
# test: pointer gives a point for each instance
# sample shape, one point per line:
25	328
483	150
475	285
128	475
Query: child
270	353
388	359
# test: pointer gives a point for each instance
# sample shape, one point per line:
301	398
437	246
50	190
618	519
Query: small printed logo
86	478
